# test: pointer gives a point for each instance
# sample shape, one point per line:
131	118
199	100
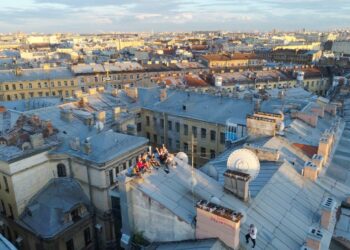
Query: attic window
75	215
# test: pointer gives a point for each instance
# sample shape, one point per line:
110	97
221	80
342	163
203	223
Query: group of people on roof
149	160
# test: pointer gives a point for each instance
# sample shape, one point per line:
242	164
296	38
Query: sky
90	16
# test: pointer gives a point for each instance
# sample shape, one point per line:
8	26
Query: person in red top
140	165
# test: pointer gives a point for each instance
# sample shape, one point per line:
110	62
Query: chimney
132	92
314	238
37	140
92	91
310	171
263	153
163	95
75	144
66	115
116	113
328	212
237	183
78	93
114	92
257	125
83	101
101	116
323	148
317	160
101	89
87	148
215	221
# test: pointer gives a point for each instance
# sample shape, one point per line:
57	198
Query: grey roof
284	211
36	74
50	204
30	104
5	244
339	168
106	146
204	244
174	190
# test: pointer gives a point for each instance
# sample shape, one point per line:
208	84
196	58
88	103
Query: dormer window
75	215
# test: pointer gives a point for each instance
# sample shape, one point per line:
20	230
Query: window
155	138
14	86
203	152
185	129
61	170
87	236
124	165
7	87
177	145
11	211
177	127
162	140
3	208
212	154
72	83
162	123
6	184
185	147
30	85
147	120
75	215
39	85
203	133
139	127
59	83
52	84
45	84
212	135
194	131
70	245
222	137
111	181
170	125
21	86
170	142
148	136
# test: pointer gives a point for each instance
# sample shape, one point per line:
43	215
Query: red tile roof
307	149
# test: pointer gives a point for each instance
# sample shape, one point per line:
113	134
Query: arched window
61	170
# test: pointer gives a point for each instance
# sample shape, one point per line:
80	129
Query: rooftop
45	213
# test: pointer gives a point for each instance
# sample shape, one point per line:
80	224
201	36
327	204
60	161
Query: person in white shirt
252	232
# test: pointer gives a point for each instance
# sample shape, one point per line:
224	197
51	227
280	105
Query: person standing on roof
252	232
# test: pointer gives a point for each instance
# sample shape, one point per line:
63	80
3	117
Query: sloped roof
50	204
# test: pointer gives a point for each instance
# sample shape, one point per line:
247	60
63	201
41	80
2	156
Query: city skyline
49	16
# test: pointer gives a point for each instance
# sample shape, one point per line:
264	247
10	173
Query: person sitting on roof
140	165
161	155
252	231
153	162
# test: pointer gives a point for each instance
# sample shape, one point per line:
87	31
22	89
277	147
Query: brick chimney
92	91
310	171
237	183
116	112
328	212
314	238
132	92
101	116
78	93
215	221
257	125
101	89
323	148
263	153
317	160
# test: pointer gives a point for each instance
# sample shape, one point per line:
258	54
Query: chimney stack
237	183
318	161
87	148
328	212
66	115
314	238
323	148
310	171
215	221
75	144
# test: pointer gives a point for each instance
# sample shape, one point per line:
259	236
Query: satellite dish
182	156
245	161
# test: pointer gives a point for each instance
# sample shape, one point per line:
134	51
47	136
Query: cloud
170	15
